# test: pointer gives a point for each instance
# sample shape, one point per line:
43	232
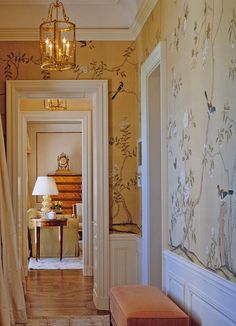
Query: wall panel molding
208	298
125	259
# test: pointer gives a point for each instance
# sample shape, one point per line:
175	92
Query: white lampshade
45	186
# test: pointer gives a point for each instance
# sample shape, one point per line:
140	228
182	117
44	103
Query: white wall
46	142
51	144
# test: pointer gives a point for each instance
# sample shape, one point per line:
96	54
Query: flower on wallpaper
115	172
182	177
202	34
225	133
182	204
232	69
185	120
211	168
184	142
172	130
175	40
205	51
176	83
186	193
232	30
124	124
172	133
185	18
180	28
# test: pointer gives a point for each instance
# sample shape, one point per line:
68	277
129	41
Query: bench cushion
137	305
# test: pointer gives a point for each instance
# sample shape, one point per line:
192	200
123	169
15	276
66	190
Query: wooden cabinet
70	190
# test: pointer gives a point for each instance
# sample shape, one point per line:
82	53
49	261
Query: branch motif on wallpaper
94	70
118	186
182	202
184	198
180	28
232	69
176	83
13	61
232	30
98	68
219	251
201	38
172	135
184	143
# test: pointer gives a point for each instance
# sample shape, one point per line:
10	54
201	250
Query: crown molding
32	34
142	16
66	2
86	34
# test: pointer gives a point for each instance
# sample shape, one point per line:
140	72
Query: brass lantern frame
55	104
55	53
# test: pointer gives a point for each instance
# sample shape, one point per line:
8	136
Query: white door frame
65	117
97	90
156	58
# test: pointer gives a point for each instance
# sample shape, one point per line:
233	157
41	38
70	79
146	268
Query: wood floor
54	293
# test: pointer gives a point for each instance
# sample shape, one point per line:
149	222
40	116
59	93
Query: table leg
37	242
61	240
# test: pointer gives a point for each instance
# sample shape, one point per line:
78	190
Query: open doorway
47	141
98	227
154	167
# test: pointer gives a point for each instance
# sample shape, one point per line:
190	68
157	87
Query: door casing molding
97	91
156	58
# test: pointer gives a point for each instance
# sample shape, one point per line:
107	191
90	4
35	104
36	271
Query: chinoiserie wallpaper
201	74
201	102
202	131
116	62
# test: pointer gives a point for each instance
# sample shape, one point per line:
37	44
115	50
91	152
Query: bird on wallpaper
120	87
83	43
222	193
175	163
211	108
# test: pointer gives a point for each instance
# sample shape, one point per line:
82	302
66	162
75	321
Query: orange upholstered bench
137	305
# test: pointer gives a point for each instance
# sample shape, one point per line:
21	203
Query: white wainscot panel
208	299
124	259
177	286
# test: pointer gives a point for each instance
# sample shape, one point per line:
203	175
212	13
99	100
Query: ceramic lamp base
46	204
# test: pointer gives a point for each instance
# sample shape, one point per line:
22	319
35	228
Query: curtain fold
12	301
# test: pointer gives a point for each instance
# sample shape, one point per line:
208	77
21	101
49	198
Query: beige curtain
12	302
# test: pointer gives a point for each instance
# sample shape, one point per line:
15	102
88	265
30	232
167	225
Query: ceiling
94	19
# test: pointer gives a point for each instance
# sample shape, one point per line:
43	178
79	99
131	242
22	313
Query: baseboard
88	271
101	303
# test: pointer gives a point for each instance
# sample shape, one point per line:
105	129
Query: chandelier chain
56	6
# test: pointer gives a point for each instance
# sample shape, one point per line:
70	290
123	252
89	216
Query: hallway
55	293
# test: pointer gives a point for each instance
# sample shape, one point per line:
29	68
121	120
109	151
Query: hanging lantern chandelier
55	104
57	40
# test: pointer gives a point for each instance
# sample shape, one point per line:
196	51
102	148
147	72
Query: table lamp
45	186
